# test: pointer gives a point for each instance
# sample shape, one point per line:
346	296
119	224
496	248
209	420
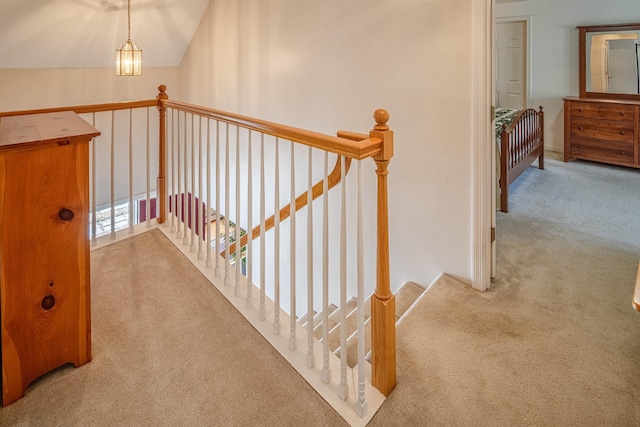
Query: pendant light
129	56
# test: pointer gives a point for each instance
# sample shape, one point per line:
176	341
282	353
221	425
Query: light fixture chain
129	20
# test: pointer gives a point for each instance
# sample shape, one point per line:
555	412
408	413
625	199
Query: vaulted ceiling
86	33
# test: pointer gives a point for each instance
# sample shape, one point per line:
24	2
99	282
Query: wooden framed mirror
610	61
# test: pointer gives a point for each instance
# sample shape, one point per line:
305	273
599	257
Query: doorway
510	67
511	82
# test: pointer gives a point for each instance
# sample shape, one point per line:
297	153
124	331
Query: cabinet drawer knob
621	114
580	110
48	302
65	214
622	153
580	147
621	132
580	128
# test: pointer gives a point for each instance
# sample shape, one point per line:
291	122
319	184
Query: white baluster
262	313
310	355
238	229
292	255
172	173
185	194
148	169
174	204
201	206
343	388
249	256
94	221
178	194
227	233
192	204
361	404
276	242
217	239
208	207
326	372
112	177
131	208
167	211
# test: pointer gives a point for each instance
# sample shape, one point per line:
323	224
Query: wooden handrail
86	109
301	201
356	150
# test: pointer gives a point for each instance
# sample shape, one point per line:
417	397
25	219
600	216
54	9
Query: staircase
406	296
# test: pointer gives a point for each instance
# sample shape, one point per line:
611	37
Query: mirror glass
612	62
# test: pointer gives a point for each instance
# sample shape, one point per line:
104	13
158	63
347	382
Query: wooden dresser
45	317
602	130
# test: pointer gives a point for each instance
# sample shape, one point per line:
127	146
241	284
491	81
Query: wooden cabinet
601	130
45	317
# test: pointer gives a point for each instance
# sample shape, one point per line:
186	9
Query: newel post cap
381	130
381	117
162	93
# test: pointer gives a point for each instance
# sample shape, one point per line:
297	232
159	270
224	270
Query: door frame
483	210
483	149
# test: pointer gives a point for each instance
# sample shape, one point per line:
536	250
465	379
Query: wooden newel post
162	156
383	303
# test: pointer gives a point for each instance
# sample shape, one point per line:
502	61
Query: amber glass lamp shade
129	60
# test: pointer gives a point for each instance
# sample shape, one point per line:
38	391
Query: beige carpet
556	341
168	350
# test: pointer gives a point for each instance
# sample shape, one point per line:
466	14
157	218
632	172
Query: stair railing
198	136
194	139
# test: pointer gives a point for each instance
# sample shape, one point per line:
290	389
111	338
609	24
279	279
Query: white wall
25	89
327	66
555	49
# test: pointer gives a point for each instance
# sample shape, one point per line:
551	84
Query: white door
510	64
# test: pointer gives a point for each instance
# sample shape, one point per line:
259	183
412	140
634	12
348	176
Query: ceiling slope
86	33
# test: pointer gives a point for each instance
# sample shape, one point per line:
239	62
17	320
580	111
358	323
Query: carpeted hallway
554	342
168	350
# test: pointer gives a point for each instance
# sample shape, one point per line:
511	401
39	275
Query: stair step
351	305
318	319
352	345
302	320
352	324
332	322
406	296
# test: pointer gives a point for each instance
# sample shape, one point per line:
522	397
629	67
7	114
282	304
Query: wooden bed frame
521	142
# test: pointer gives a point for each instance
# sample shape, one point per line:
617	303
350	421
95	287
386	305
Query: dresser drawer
605	111
603	151
605	130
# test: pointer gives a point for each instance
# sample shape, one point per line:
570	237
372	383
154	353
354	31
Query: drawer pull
65	214
621	114
581	146
48	302
622	153
580	110
580	128
621	132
